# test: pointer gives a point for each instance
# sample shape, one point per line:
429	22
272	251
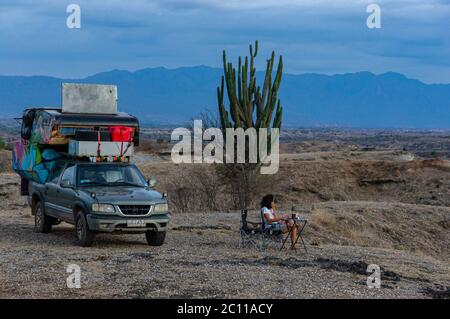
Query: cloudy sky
312	35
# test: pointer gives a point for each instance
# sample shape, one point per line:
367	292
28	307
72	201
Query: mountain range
174	96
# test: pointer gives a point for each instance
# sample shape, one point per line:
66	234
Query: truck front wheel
155	238
85	236
42	222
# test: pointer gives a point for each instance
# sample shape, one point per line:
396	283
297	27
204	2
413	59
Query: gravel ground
200	259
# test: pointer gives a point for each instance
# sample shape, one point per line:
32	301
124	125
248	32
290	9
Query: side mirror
152	182
65	183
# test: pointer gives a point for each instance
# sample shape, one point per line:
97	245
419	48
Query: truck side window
55	173
69	174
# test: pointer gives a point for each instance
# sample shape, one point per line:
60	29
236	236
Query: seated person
271	218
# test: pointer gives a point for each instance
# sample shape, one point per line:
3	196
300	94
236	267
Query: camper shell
55	127
87	125
121	118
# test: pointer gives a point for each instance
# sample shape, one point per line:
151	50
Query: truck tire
42	222
155	238
85	236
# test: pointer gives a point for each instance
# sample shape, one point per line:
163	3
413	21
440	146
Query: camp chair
249	231
257	234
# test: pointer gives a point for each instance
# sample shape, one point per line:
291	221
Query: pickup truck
99	197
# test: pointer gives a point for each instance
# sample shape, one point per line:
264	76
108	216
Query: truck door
67	195
50	190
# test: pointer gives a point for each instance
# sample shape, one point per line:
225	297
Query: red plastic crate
121	133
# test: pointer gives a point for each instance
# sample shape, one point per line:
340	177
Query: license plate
136	223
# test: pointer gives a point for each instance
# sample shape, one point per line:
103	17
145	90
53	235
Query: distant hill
160	95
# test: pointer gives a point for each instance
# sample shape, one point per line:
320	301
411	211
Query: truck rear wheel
155	238
42	222
85	236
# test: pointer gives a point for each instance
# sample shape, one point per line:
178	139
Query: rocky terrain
364	206
201	257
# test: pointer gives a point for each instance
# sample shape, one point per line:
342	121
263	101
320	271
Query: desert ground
365	202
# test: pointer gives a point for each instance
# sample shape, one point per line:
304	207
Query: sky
314	36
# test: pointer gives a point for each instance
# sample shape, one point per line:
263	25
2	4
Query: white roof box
89	98
93	149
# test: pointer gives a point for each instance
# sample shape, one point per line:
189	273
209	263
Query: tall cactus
249	105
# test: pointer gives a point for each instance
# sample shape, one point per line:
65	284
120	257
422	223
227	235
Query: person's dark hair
267	201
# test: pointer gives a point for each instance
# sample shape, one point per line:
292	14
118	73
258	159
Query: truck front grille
134	209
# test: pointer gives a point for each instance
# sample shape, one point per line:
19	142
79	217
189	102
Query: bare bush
202	188
245	185
197	188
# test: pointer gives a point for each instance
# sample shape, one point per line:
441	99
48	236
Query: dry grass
415	182
324	219
333	224
406	227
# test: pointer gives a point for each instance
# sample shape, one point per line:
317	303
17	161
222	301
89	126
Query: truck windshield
110	175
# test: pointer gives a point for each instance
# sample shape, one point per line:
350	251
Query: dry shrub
353	235
330	224
324	219
197	188
152	146
201	188
245	185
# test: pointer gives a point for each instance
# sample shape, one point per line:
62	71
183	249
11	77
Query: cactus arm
245	96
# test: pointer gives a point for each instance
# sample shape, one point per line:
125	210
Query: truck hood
124	195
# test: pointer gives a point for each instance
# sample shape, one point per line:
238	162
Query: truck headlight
160	208
103	208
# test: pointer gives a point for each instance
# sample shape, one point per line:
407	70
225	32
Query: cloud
313	35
